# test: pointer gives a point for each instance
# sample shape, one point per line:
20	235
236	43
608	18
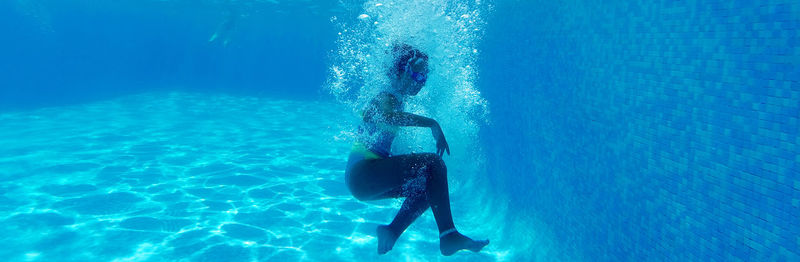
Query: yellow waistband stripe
360	148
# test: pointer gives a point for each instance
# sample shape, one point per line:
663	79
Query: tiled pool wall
663	130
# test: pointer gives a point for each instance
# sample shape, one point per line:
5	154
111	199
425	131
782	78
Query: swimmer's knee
435	163
439	163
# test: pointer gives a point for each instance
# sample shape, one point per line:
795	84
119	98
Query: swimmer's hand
441	142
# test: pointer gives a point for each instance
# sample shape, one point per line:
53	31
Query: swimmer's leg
412	208
437	190
384	178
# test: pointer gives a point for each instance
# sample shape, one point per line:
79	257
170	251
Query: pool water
218	130
190	176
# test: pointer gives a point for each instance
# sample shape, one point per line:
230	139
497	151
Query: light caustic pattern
189	177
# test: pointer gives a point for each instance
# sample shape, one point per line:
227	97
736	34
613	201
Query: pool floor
191	176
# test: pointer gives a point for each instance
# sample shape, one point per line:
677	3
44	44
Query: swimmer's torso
374	133
374	137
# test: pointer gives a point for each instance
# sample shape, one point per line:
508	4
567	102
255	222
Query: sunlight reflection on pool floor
181	176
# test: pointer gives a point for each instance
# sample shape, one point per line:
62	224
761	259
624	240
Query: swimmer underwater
373	173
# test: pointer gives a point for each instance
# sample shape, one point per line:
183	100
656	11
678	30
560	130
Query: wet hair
403	54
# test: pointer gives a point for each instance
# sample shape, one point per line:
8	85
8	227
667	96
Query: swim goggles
418	77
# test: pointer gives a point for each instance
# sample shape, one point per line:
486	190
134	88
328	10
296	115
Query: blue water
219	130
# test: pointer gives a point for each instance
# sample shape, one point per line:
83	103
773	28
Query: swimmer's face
415	76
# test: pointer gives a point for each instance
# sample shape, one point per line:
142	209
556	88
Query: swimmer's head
410	68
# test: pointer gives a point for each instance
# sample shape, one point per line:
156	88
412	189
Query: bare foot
453	242
386	239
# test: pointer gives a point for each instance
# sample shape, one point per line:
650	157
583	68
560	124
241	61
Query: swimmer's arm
409	119
399	118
